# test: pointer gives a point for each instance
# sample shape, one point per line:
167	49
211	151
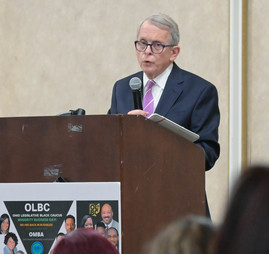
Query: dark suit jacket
187	100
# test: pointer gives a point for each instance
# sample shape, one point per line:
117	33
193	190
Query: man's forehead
112	231
107	207
69	220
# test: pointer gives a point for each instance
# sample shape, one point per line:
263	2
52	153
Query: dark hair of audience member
190	235
245	229
84	241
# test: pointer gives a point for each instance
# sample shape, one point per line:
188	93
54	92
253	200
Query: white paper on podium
176	128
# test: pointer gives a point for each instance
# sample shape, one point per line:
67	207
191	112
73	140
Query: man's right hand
138	112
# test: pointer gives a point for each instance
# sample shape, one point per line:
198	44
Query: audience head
113	236
190	235
5	223
84	241
87	222
245	229
70	223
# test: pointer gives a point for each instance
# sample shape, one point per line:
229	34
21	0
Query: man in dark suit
178	95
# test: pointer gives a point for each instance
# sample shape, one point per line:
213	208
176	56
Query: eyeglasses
156	47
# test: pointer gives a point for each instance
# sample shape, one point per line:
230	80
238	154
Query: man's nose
148	50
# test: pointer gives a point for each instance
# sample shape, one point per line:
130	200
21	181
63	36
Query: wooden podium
162	175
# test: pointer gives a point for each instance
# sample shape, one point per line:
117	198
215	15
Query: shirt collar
161	79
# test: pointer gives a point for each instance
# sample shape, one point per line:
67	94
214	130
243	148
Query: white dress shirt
160	82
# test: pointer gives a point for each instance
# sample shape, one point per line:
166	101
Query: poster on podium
37	214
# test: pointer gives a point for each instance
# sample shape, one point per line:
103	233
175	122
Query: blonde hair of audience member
190	235
245	229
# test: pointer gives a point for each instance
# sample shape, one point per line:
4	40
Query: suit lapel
171	92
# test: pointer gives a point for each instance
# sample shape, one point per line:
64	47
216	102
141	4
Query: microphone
135	84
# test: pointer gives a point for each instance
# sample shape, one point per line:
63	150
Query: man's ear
174	53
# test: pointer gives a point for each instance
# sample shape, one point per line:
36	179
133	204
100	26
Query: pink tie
148	101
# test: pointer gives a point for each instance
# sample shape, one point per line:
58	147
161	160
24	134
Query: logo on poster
37	248
36	234
94	209
39	207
